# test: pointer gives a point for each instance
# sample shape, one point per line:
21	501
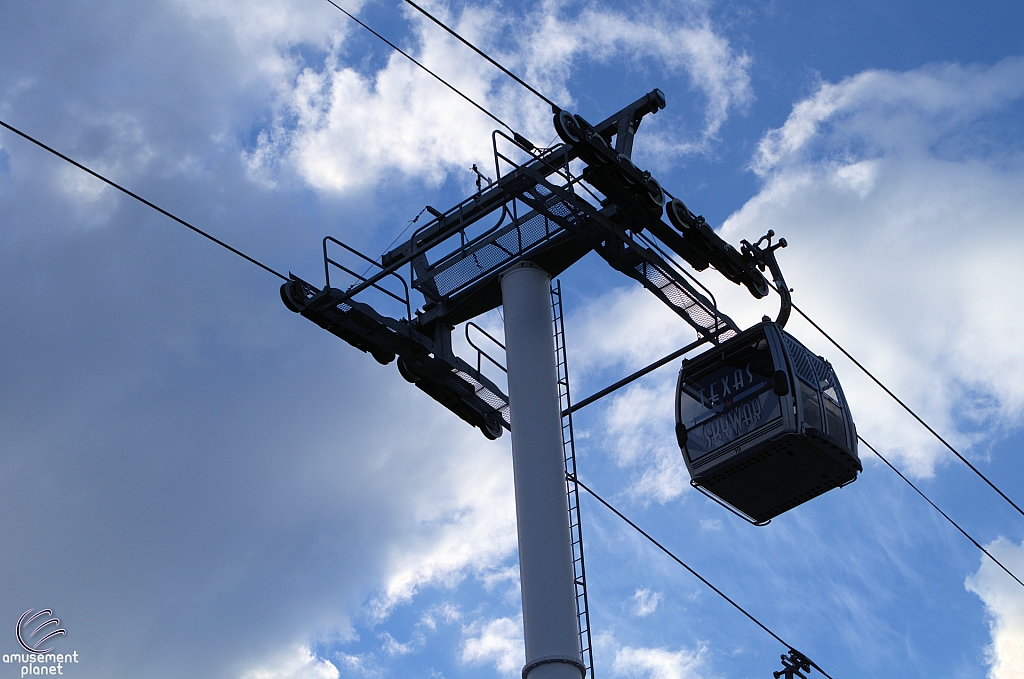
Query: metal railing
362	276
480	353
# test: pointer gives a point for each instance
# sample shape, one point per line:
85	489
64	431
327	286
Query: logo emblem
31	641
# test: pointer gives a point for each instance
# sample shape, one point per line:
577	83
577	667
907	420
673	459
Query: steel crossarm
598	228
444	225
427	363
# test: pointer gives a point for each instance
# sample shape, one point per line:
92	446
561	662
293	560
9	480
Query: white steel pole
542	511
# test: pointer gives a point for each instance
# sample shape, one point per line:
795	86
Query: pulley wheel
756	284
491	430
679	215
293	296
654	196
599	153
567	128
406	373
623	176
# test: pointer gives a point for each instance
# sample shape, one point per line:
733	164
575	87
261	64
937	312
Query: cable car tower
761	422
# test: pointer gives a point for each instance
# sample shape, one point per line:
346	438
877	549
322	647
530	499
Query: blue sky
200	483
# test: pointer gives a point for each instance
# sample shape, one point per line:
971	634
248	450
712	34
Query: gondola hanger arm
765	257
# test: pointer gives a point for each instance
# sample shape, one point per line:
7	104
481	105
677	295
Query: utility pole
542	516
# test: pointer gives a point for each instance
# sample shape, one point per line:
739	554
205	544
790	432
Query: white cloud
645	602
658	663
263	32
351	129
626	328
564	35
891	112
639	427
467	528
904	242
363	665
1004	601
392	646
342	130
446	613
297	663
498	641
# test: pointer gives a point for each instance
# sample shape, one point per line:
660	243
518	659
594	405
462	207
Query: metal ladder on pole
572	490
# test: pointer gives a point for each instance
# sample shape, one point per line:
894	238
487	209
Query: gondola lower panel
776	476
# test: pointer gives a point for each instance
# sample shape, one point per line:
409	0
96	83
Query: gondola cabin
763	424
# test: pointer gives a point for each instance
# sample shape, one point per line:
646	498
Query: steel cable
413	60
554	107
936	508
909	410
692	572
142	200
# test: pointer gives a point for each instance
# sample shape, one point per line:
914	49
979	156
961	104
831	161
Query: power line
692	572
436	76
142	200
554	107
909	410
936	507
